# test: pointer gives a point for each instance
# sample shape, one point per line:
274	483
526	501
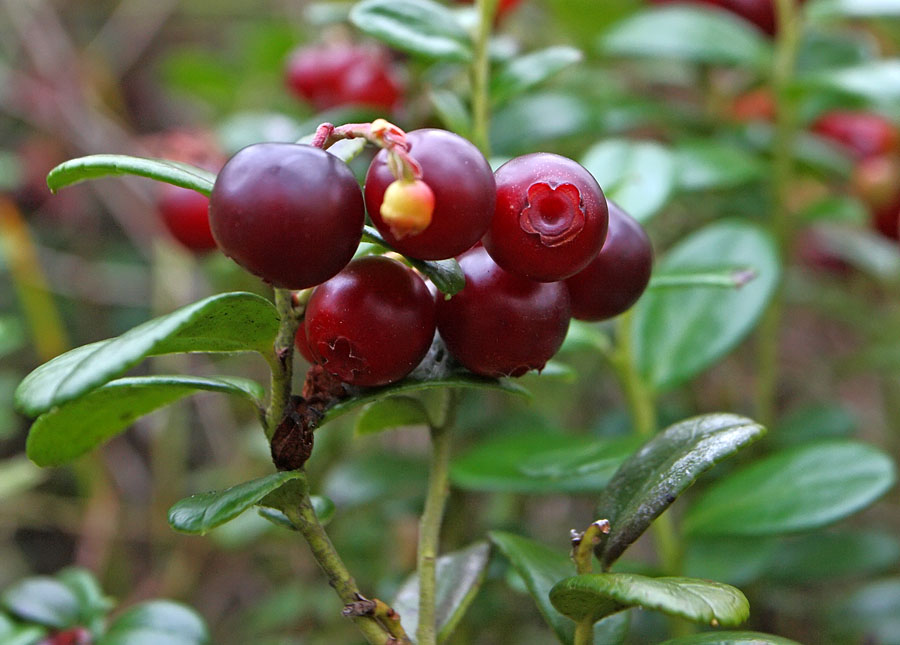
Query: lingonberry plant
440	277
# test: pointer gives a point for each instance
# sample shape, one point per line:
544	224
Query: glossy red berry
342	74
372	323
302	344
617	277
463	186
502	324
290	214
550	219
864	134
185	213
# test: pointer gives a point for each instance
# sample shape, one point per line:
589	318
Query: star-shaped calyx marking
554	214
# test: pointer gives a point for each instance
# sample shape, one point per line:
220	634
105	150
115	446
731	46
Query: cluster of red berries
537	242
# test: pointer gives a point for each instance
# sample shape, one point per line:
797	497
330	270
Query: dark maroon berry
343	74
550	219
463	186
185	213
291	214
617	277
502	324
302	344
372	323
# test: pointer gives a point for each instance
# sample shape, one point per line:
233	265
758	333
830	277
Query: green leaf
813	152
687	33
72	429
647	483
596	595
18	474
583	336
12	334
25	635
229	322
706	164
522	73
803	488
158	621
836	208
323	507
877	82
541	462
42	600
734	560
96	166
730	638
813	422
93	604
868	614
638	175
679	333
205	511
726	278
542	567
453	113
821	557
390	413
242	129
419	27
459	576
445	274
820	9
864	249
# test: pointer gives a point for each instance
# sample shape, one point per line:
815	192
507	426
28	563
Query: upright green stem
584	633
481	75
430	524
783	70
282	360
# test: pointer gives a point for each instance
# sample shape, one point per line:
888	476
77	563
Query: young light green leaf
520	74
596	595
688	33
445	274
205	511
730	638
680	332
229	322
393	412
639	176
160	622
542	567
419	27
42	600
807	487
647	483
96	166
459	576
72	429
707	164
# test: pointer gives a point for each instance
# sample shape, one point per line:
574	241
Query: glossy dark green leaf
160	622
459	576
229	322
802	488
730	638
96	166
419	27
541	567
821	557
707	164
72	429
445	274
819	9
647	483
323	507
814	422
393	412
42	600
680	332
205	511
688	33
639	176
733	560
868	614
540	462
596	595
524	72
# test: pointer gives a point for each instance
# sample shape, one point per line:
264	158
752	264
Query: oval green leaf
229	322
522	73
542	567
688	33
390	413
870	612
679	333
707	164
419	27
459	576
876	82
24	635
648	483
803	488
96	166
736	561
157	621
822	557
42	600
205	511
596	595
731	638
638	175
70	430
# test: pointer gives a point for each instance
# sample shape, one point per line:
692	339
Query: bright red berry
550	219
372	323
864	134
342	74
617	277
302	344
185	213
290	214
463	186
502	324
